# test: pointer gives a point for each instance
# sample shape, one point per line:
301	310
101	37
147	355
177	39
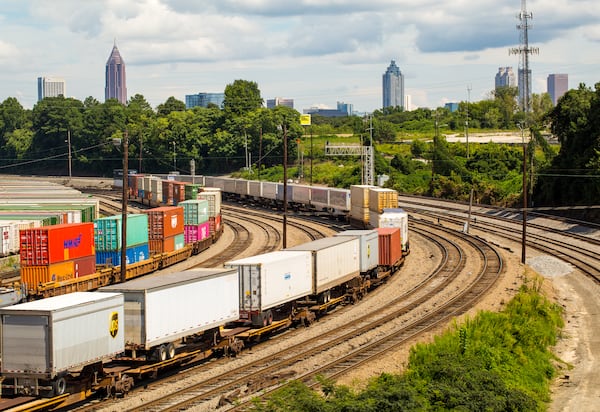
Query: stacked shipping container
108	240
57	253
195	220
165	229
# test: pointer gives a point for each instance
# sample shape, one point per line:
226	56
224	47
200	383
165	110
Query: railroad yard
376	332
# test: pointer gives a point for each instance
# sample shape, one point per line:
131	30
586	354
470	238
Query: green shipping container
195	212
107	232
191	191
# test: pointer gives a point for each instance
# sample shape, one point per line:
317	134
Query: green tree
163	109
241	96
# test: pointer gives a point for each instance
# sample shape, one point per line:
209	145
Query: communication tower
524	51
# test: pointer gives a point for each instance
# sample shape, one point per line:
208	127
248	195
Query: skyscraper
204	99
393	87
116	86
505	78
280	101
558	84
51	87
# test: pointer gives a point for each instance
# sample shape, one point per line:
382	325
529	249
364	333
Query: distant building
393	87
558	84
51	87
280	101
407	102
347	108
326	112
505	78
116	85
451	106
204	99
522	96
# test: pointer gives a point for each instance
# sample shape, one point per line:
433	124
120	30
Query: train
103	340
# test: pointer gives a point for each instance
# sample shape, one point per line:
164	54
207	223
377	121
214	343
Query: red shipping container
57	243
164	221
84	266
390	245
194	233
215	224
167	192
168	244
178	192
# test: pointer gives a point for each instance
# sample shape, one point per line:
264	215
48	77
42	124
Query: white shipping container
47	337
300	194
254	189
162	309
269	190
396	217
335	260
369	247
213	196
272	279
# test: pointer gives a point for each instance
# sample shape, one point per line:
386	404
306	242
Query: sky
317	52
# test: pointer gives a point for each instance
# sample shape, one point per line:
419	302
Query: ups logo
114	324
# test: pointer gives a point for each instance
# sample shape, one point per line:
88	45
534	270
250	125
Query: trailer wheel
171	350
161	353
59	386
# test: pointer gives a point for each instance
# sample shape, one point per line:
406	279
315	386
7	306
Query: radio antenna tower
524	51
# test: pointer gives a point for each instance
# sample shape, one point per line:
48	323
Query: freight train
103	340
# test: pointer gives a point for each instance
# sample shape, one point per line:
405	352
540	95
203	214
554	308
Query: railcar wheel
171	350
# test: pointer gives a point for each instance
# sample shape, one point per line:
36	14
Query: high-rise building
280	101
204	99
505	78
51	87
393	87
347	108
558	84
525	100
116	86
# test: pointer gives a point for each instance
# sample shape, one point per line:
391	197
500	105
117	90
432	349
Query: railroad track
263	372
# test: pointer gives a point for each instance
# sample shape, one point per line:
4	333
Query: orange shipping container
164	222
168	244
390	246
58	272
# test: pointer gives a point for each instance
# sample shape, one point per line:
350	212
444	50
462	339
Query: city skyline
315	53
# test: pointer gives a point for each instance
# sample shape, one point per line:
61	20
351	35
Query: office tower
51	87
558	84
347	108
393	87
204	99
116	86
505	78
280	101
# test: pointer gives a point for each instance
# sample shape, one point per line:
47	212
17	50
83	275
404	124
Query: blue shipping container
134	254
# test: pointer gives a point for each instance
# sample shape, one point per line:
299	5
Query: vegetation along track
386	326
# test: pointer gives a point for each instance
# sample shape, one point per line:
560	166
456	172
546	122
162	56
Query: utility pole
70	158
124	209
524	235
284	186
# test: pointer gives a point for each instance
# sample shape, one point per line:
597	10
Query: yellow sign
305	119
114	324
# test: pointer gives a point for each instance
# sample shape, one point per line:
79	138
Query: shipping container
381	198
335	260
390	246
133	254
269	190
192	190
163	309
47	338
52	244
58	272
396	217
300	194
213	197
195	212
359	195
164	222
167	192
369	248
178	192
107	232
195	233
339	200
272	279
255	189
215	224
167	244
